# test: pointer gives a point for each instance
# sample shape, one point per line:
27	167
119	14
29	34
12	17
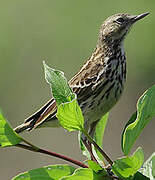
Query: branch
50	153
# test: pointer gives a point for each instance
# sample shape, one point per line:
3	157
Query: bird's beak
138	17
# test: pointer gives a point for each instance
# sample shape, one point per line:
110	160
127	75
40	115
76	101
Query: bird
100	81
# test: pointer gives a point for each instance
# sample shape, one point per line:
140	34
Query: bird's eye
120	20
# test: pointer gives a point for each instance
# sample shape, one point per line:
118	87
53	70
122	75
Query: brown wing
82	84
87	79
37	118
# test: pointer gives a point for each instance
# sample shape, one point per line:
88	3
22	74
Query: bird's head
117	26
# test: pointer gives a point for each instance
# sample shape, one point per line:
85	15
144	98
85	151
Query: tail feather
37	118
22	127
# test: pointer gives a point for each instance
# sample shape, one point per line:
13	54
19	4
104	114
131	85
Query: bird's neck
111	47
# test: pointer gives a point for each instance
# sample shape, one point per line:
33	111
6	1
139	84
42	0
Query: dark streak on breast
116	91
112	73
119	79
91	104
107	95
117	64
83	105
109	89
99	90
102	96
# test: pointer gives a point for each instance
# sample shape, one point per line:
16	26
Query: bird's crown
116	27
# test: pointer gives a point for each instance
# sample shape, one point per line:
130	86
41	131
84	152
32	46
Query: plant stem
97	147
31	145
39	150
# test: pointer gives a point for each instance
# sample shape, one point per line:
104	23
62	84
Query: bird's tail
48	111
22	127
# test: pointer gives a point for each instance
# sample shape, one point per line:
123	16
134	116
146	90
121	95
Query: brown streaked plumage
100	81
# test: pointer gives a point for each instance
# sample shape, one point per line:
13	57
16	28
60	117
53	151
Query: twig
78	163
98	147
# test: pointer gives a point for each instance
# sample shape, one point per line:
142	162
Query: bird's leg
91	152
86	142
91	133
88	147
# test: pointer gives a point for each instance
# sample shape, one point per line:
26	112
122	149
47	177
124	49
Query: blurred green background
64	33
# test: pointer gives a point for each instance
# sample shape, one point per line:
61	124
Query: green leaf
8	137
86	174
99	132
139	176
81	173
148	168
128	166
52	172
94	166
131	120
145	112
70	115
58	83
